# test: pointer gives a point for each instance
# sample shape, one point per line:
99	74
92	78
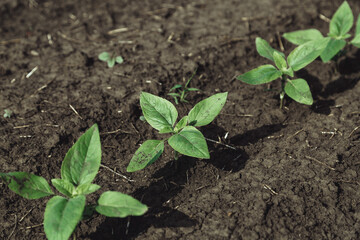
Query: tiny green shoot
182	91
185	138
339	27
78	170
297	89
7	113
111	59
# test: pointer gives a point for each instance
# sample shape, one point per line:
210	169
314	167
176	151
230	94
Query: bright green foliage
299	58
306	53
7	113
62	215
340	25
185	139
265	50
303	36
146	154
182	91
116	204
299	90
82	161
190	141
260	75
111	59
333	47
27	185
78	170
206	110
342	21
158	112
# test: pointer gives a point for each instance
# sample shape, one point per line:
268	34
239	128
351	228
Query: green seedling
297	89
110	59
182	91
7	113
339	28
185	138
78	170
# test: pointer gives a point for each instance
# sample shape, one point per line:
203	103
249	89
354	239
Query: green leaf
206	110
82	161
147	153
342	20
303	36
332	48
167	130
116	204
288	72
356	41
280	61
265	50
174	94
119	60
299	90
111	62
357	29
176	87
27	185
104	56
64	186
158	112
181	124
86	188
190	142
306	53
260	75
192	89
62	215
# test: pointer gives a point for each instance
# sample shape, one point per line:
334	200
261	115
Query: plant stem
282	93
176	155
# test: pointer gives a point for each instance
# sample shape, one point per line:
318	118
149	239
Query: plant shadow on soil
171	180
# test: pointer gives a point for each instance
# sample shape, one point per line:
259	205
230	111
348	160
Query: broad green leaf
119	59
147	153
82	161
206	110
260	75
332	48
104	56
303	36
265	50
299	90
27	185
280	61
190	142
64	186
357	29
111	62
304	54
86	188
116	204
342	20
181	124
158	112
356	41
167	130
288	72
62	215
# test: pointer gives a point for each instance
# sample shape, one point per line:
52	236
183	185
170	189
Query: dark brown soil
288	174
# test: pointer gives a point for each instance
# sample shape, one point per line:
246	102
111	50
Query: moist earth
290	173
